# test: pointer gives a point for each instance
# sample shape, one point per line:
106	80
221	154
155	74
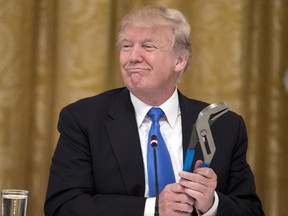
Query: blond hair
151	16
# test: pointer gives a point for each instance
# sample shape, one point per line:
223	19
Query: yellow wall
53	52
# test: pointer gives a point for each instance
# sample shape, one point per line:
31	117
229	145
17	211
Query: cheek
122	59
121	63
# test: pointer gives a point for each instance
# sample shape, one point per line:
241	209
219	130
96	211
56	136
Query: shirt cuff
213	210
149	206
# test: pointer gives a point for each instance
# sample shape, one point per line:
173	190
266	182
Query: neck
153	98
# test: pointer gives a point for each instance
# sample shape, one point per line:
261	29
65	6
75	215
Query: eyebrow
142	41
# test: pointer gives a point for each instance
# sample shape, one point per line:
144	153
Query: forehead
147	33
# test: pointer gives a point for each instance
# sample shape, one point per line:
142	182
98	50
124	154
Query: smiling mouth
135	70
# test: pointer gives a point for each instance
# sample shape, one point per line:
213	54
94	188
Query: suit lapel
125	142
189	113
124	138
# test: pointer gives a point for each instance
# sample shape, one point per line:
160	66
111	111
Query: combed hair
150	16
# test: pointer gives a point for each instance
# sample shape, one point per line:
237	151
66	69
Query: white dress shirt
171	130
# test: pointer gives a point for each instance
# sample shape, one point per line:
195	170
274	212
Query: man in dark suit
100	164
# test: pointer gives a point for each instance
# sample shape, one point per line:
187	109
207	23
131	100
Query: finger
199	188
187	178
176	193
195	186
206	172
175	188
176	206
184	207
198	183
184	198
190	176
171	202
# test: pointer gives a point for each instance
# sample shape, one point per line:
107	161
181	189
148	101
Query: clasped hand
194	190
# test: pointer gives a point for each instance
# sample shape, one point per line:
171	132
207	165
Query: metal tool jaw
205	119
201	133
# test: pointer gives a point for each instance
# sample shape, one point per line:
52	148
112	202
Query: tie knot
155	113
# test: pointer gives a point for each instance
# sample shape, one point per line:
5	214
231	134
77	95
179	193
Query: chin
136	89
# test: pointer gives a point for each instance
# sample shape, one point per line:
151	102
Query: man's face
147	59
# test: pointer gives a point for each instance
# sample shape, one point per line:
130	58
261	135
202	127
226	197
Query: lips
136	69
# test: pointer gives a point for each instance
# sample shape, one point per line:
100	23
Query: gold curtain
53	52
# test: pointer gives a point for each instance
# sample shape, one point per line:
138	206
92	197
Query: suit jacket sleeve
236	187
72	186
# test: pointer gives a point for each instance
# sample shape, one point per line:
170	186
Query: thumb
198	164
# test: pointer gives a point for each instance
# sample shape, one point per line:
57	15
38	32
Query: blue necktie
164	164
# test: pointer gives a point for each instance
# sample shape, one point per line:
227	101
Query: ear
181	62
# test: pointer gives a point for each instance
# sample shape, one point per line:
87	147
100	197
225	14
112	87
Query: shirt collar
170	107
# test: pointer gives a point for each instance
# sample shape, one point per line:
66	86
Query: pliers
201	133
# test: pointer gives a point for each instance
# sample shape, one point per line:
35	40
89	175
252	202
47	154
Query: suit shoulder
98	103
102	98
199	105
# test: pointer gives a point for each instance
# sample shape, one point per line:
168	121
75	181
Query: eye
126	46
149	47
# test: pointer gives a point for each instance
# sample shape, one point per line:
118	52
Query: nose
136	54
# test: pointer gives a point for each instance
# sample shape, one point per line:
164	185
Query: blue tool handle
205	164
188	159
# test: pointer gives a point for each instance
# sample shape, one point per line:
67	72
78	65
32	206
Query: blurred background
53	52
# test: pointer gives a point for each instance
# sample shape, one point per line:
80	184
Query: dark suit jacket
97	167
